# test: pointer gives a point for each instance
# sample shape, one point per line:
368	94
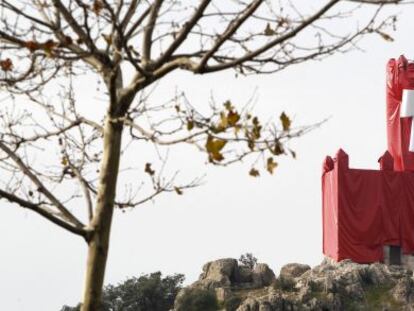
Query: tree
194	299
148	292
248	260
129	45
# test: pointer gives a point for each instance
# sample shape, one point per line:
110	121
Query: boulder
263	275
223	293
218	273
244	275
293	270
403	292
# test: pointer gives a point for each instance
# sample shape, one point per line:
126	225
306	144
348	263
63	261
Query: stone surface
263	275
219	273
293	270
329	286
244	275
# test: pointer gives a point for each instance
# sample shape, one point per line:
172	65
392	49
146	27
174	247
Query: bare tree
47	45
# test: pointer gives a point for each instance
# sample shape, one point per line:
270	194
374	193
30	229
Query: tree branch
41	187
46	214
182	35
231	29
272	43
149	29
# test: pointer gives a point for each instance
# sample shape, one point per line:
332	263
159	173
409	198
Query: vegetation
248	260
196	299
148	292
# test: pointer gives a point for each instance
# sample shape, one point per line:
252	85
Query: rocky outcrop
293	270
328	286
219	273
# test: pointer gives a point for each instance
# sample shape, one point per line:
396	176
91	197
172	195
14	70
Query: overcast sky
277	218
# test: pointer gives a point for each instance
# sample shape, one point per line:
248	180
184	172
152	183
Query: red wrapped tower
365	210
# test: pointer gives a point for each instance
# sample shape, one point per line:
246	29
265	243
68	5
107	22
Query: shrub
148	292
248	260
196	299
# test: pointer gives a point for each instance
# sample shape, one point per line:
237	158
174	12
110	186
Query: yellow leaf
286	122
223	121
232	118
271	165
257	128
214	147
254	172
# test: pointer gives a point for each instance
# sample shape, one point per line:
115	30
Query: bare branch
231	29
45	213
182	35
149	29
41	187
271	44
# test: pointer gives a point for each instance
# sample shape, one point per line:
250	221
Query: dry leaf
6	65
214	147
254	172
269	31
178	191
148	169
271	165
286	122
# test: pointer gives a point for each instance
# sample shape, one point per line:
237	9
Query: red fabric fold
363	210
400	75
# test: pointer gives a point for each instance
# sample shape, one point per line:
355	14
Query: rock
403	291
293	270
250	304
263	275
329	286
223	293
265	306
378	274
219	273
244	275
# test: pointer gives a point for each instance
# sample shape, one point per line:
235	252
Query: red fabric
400	75
363	210
330	211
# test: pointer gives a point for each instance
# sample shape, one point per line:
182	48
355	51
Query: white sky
278	218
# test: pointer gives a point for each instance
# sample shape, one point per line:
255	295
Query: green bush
150	292
197	299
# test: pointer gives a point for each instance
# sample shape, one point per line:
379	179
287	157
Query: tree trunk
101	223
